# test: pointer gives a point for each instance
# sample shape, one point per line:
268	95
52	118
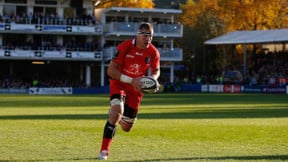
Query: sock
109	132
106	143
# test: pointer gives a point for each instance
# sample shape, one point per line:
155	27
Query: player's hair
147	26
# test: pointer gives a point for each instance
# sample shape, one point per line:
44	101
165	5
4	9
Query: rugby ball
148	83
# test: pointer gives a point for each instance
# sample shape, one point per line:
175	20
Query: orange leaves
126	3
238	14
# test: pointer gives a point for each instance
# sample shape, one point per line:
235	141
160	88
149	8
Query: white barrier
51	91
215	88
219	88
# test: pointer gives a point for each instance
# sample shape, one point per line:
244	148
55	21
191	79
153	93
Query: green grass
170	127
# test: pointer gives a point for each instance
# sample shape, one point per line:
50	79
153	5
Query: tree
210	18
253	14
126	3
202	17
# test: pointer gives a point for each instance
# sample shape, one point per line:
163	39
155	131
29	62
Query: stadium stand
53	44
56	43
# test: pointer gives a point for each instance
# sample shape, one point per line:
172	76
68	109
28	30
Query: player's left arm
155	73
155	69
155	66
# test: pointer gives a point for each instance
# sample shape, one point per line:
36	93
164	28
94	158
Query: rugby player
131	61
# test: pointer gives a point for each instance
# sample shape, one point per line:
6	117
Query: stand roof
251	37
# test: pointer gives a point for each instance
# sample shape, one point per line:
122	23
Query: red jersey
134	62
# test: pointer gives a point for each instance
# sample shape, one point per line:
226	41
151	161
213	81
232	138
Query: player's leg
128	119
132	103
115	114
116	110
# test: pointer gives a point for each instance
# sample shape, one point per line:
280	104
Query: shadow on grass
240	158
215	114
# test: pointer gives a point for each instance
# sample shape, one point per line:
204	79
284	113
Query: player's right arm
114	72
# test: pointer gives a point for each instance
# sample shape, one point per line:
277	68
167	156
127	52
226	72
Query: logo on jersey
133	69
129	56
138	54
147	60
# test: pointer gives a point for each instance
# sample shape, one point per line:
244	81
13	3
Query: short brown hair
147	26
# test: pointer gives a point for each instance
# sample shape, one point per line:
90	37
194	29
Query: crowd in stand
51	45
21	83
13	83
51	19
266	75
268	72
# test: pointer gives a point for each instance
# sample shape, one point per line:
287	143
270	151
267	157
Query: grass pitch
170	127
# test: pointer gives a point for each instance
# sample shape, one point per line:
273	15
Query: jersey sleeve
120	53
155	64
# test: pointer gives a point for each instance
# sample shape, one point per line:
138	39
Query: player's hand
136	84
157	87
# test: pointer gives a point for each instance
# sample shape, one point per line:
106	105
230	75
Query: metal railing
166	54
130	28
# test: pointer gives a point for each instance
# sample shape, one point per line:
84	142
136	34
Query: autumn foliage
206	19
237	14
126	3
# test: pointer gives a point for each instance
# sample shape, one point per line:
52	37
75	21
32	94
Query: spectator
272	81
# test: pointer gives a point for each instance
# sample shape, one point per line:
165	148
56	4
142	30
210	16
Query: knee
125	126
127	123
115	113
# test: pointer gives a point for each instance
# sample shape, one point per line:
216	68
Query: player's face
144	38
